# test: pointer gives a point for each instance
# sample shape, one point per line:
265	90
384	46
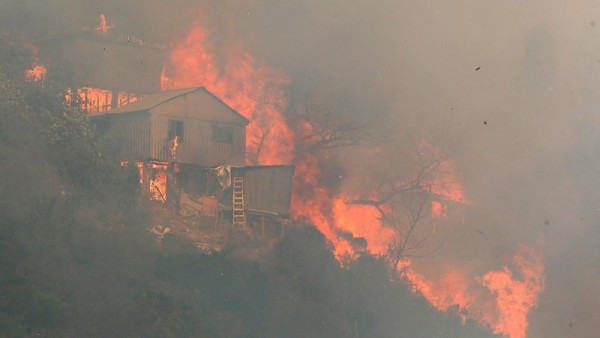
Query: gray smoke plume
508	88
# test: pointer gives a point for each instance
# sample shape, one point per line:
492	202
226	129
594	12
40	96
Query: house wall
199	112
201	105
267	188
134	132
198	146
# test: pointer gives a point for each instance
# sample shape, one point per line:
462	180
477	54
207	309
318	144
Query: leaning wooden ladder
239	215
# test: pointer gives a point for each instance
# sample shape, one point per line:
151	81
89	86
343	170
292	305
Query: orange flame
96	100
516	297
37	73
504	301
103	26
158	182
173	147
445	183
140	166
247	85
497	299
358	220
438	210
452	289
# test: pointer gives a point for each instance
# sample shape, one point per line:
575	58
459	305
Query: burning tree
403	200
391	216
270	98
333	118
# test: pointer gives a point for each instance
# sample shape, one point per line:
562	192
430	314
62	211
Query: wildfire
140	166
158	182
173	147
358	220
447	185
37	72
505	305
438	210
496	299
248	86
514	297
95	100
451	290
445	182
103	26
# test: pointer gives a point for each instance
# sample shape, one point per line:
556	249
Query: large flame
498	299
158	181
97	101
38	71
103	25
445	182
173	146
516	296
358	220
511	293
248	86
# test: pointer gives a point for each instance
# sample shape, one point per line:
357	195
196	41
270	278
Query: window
176	130
439	210
222	134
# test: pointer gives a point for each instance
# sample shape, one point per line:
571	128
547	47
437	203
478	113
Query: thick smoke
508	88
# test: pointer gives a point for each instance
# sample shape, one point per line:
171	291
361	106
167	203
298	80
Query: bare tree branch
402	201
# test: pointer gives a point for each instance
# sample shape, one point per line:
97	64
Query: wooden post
85	103
114	103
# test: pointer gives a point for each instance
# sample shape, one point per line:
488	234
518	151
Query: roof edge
225	104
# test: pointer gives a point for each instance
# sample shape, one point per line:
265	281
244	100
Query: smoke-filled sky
509	88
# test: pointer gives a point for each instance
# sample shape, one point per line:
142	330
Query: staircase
239	214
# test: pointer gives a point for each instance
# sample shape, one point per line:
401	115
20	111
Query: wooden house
190	149
189	126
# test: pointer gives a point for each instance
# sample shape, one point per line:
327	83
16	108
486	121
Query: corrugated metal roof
151	101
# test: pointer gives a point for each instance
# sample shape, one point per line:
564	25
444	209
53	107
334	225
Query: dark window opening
176	130
222	134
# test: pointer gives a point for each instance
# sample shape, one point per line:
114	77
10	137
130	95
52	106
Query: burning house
189	145
190	126
190	149
110	68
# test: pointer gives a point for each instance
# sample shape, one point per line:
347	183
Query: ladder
239	215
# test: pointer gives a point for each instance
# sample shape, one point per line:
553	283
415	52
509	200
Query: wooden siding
198	146
267	188
199	105
134	132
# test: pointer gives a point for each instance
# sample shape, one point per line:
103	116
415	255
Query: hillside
77	259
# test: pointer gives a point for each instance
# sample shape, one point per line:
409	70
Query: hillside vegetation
76	259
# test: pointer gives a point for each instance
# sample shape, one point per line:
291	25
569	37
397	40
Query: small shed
266	189
189	126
